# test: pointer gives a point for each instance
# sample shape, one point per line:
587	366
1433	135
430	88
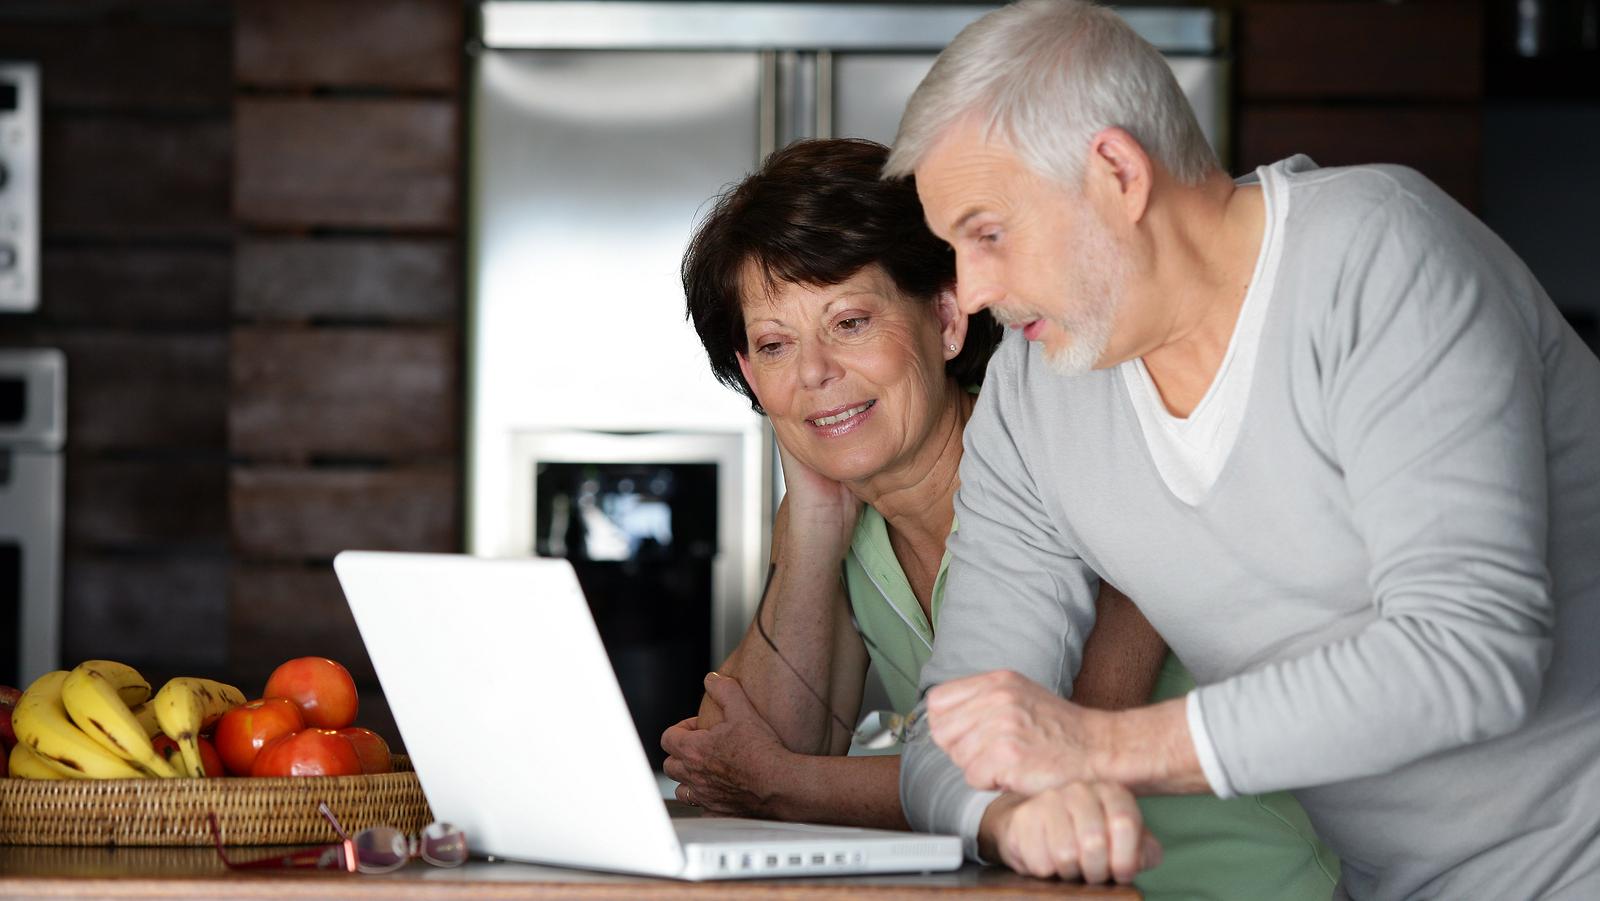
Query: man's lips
1033	329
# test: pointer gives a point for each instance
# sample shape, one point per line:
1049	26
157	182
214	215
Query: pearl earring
952	348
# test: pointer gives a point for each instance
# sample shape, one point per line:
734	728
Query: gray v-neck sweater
1391	594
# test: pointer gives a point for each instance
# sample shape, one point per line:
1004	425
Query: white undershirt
1189	452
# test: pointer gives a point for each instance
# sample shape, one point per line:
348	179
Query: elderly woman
819	293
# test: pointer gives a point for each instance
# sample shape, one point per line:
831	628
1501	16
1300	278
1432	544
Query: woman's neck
917	499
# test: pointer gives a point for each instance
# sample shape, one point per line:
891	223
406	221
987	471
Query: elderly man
1326	429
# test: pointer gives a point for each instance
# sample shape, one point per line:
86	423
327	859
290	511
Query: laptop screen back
509	708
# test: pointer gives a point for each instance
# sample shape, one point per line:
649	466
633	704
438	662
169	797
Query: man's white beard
1097	280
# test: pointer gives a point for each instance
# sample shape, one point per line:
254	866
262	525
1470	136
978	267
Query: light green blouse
1249	847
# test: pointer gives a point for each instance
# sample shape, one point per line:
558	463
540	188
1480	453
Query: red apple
323	689
8	701
210	760
371	748
309	752
244	730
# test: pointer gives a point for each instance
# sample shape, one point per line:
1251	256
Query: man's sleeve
1431	383
1014	599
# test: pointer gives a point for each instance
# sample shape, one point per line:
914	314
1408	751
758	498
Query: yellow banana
27	765
42	724
186	705
91	694
146	715
131	687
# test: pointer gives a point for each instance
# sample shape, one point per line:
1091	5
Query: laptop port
818	860
772	860
794	860
839	859
745	862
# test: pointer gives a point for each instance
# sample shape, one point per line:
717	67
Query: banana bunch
96	722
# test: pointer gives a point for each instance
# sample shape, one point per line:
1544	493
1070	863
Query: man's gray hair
1047	75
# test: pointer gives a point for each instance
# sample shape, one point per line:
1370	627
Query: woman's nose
817	364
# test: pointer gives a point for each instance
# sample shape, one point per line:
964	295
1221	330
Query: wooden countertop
148	873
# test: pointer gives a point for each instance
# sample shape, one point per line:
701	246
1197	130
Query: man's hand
1007	732
727	769
1088	830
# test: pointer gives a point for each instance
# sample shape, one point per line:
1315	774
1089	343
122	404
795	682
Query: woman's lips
842	421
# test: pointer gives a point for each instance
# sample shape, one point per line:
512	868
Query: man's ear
1120	174
952	323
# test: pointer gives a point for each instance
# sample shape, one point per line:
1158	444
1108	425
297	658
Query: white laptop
517	729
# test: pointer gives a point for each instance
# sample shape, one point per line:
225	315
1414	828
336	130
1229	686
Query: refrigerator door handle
767	115
824	94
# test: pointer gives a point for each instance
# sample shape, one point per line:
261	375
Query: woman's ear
744	370
952	323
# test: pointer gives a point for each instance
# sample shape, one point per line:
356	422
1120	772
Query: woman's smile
840	420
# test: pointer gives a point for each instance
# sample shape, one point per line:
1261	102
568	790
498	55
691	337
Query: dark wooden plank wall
344	415
136	258
1363	81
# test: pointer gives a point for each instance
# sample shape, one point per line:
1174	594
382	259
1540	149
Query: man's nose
977	288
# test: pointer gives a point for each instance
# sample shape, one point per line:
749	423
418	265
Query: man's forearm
1149	750
847	791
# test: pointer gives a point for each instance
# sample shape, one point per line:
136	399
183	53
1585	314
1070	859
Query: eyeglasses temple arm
327	814
340	856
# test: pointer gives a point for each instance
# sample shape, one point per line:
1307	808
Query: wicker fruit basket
172	812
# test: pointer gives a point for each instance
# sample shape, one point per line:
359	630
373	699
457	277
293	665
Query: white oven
32	432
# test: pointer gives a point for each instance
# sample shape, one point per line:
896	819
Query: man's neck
1206	255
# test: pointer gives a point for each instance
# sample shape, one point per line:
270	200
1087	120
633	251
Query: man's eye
988	237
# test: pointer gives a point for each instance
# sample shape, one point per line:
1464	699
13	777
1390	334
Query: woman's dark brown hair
816	214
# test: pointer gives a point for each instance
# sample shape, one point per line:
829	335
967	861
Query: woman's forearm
846	791
1122	657
804	615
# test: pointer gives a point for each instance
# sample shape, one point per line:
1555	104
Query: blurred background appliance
600	132
19	187
32	432
649	523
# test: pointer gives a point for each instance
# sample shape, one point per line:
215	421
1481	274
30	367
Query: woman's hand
818	508
732	768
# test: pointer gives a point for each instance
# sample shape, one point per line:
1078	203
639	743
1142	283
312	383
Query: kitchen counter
149	873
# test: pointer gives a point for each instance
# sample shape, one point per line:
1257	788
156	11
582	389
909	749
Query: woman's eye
853	324
769	348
